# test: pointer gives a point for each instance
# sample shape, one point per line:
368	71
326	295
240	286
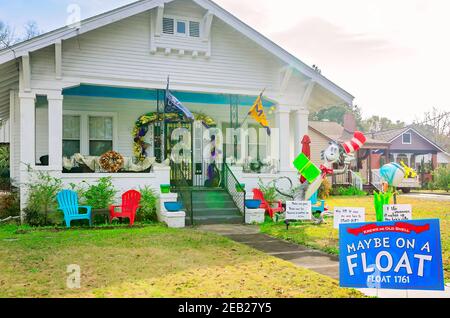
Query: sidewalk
301	256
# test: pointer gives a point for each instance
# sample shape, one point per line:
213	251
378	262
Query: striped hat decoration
355	143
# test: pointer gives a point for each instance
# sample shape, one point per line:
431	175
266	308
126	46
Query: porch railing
357	181
234	188
377	181
181	186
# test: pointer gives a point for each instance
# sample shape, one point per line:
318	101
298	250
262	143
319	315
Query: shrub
147	210
9	205
100	195
441	179
350	191
269	192
41	204
325	189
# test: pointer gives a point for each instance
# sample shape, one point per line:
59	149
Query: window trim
410	138
186	20
84	127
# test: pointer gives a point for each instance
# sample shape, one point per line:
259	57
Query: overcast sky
392	55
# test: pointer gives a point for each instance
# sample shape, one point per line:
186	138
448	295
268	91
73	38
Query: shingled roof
336	132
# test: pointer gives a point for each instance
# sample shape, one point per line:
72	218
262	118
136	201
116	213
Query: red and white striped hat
356	143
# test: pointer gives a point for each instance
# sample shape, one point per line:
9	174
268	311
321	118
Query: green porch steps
214	207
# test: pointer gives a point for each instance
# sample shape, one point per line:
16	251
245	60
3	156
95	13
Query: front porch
65	134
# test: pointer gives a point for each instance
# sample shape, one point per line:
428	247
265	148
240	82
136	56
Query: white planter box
163	198
175	220
254	216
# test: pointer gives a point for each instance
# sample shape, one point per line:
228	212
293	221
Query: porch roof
152	94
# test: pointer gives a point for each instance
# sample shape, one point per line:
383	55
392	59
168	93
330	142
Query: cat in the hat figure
337	153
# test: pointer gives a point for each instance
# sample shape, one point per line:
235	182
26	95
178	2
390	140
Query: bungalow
71	95
413	148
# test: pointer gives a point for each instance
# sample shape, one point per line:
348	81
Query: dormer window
406	139
181	27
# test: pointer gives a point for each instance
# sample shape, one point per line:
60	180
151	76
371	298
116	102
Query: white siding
122	51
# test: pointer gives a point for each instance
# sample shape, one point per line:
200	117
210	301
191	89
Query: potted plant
99	196
165	188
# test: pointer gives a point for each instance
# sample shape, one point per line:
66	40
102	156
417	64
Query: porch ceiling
152	94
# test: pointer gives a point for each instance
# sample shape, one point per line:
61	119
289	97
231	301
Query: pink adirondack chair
130	204
258	195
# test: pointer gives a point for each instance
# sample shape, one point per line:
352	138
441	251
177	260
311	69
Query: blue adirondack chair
68	203
317	208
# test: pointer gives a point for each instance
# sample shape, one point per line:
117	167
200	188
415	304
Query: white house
81	88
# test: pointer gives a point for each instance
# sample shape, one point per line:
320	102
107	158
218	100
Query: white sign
348	215
298	210
397	212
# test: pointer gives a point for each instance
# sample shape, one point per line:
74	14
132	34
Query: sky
393	56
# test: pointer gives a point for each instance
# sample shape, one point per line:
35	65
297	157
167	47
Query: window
71	135
181	27
168	25
407	139
100	135
194	29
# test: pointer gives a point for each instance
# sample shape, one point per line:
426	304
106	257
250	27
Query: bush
42	206
350	191
9	205
269	192
441	179
147	210
100	195
325	189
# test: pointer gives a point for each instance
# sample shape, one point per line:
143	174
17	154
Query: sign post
348	215
298	211
397	212
391	255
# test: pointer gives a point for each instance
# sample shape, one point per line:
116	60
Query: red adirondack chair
258	195
130	204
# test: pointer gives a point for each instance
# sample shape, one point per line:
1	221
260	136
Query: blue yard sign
391	255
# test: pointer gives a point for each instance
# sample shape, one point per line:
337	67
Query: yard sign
391	255
348	215
397	212
298	210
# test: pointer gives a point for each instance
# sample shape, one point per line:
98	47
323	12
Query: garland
111	161
141	128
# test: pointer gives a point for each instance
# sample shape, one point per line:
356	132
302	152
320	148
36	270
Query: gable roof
391	135
134	8
334	131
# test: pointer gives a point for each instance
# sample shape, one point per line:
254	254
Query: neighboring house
322	133
443	159
413	148
81	88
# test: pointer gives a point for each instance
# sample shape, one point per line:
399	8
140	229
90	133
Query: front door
178	143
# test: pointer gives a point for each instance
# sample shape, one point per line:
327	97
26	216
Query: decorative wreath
111	161
142	126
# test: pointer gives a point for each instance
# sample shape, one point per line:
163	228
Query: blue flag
173	105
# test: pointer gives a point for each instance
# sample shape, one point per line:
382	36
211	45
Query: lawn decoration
111	161
144	122
393	174
306	150
381	199
213	173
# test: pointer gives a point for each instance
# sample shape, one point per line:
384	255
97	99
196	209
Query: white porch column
282	119
55	130
27	129
301	128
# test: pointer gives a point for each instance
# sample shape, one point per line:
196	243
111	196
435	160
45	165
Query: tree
377	123
336	114
7	36
31	30
435	125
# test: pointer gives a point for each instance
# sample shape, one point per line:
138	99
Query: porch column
283	121
409	155
301	128
55	129
27	129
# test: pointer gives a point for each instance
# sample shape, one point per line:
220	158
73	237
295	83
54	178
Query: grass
148	261
324	237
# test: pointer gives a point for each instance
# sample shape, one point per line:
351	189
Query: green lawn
324	237
150	261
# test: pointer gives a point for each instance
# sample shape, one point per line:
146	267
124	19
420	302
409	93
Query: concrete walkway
316	261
